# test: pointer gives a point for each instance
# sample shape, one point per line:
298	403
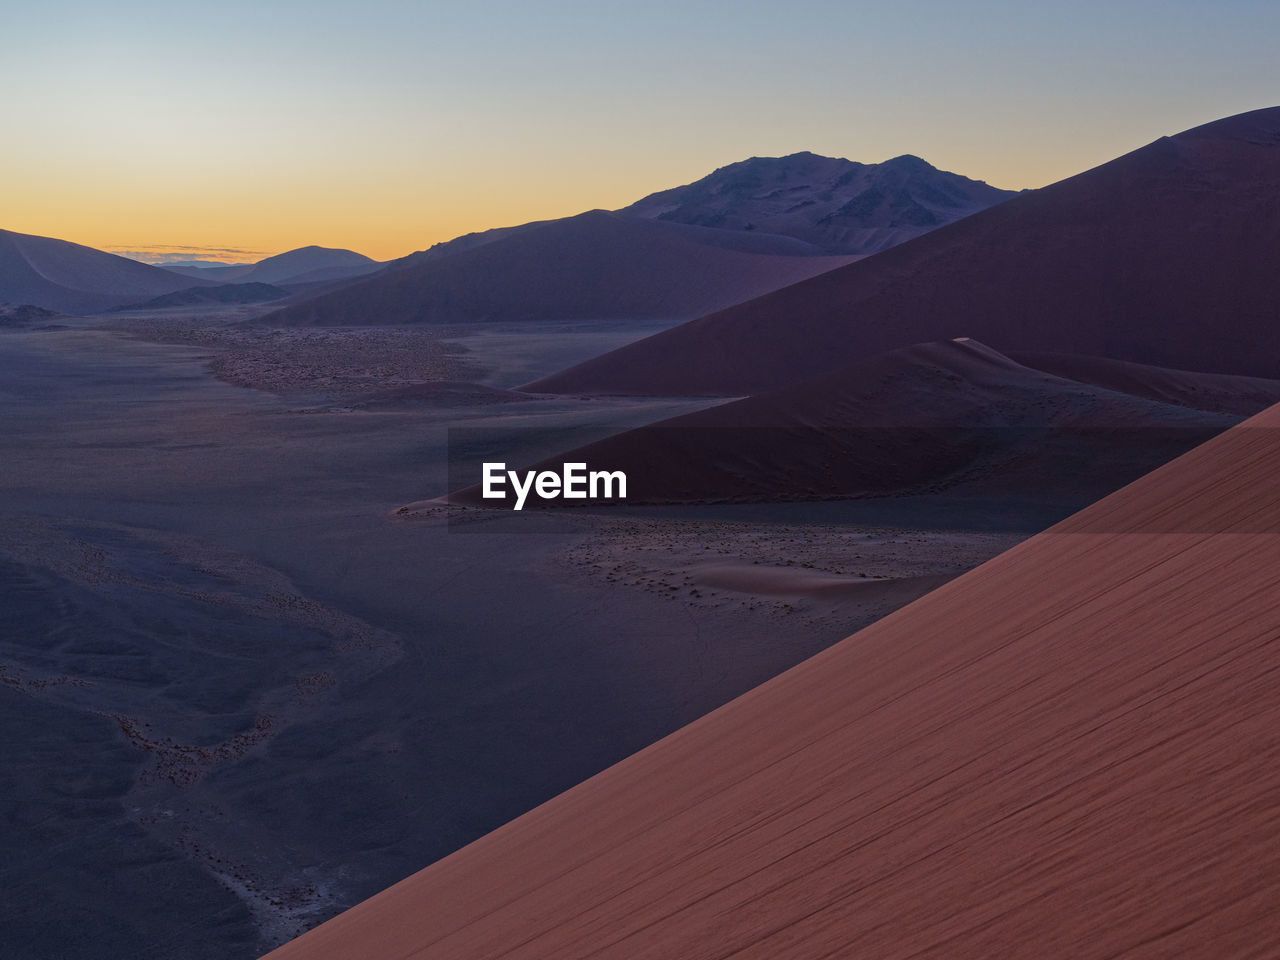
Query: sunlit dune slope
1069	752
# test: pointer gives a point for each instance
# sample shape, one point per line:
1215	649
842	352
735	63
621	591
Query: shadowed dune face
1217	393
954	417
1164	256
594	266
70	278
1069	751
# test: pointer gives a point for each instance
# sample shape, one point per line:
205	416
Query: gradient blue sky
386	126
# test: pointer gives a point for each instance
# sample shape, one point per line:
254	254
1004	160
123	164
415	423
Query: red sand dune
1164	256
1070	751
930	417
590	267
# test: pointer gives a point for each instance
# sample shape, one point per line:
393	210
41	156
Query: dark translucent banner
536	472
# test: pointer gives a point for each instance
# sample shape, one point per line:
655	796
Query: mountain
954	417
597	265
1068	753
70	278
1165	256
836	205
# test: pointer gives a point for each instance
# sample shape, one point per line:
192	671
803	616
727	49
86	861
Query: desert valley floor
243	688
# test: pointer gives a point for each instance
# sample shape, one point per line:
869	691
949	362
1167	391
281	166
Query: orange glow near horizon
265	127
242	222
384	221
411	201
269	220
405	206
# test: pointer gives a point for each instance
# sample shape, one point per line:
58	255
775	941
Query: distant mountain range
182	266
742	231
304	265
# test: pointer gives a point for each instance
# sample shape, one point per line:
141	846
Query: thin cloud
161	253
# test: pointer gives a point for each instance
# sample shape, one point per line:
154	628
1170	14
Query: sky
243	129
